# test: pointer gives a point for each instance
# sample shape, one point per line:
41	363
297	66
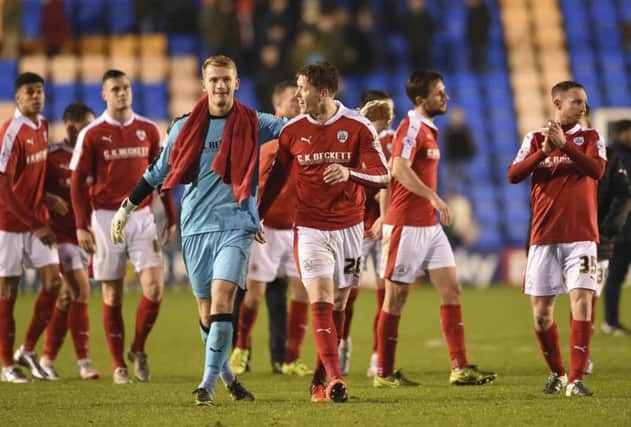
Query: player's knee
63	299
52	283
153	290
543	321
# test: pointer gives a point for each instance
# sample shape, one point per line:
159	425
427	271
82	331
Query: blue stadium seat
183	44
31	18
123	20
91	17
490	239
60	95
91	96
155	101
246	93
8	71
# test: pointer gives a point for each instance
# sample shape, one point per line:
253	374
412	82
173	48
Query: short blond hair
219	61
378	109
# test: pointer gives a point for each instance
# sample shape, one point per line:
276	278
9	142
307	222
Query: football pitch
499	337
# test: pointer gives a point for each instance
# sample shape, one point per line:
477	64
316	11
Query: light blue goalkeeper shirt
208	203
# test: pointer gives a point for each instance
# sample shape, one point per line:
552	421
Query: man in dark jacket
615	224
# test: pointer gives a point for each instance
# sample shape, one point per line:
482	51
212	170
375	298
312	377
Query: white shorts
72	257
371	249
557	268
330	253
602	271
141	244
23	250
409	251
273	259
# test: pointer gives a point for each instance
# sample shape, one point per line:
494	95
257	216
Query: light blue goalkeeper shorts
216	255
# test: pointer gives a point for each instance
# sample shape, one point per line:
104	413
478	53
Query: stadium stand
533	44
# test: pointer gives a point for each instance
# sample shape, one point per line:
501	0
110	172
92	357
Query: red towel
236	160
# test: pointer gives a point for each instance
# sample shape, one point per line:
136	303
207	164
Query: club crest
342	136
141	134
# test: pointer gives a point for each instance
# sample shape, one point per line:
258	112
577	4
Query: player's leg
380	292
8	292
78	319
297	322
345	346
56	331
112	293
580	268
403	255
145	254
276	299
618	269
248	311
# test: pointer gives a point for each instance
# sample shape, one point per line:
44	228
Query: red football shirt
415	140
115	156
58	183
563	187
348	139
372	204
281	214
23	151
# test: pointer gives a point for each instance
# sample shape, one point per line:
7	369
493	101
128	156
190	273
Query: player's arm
82	166
269	126
9	199
153	177
374	168
620	188
403	172
592	163
277	177
527	159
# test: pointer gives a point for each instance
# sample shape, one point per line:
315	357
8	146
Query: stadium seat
93	45
31	18
34	63
153	44
60	95
126	63
92	67
153	69
64	68
91	17
123	21
155	101
183	44
8	71
91	96
126	45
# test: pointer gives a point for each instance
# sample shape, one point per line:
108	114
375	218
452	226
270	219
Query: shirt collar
574	129
422	118
109	119
339	113
18	114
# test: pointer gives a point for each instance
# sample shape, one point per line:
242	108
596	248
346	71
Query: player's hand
556	135
336	173
168	234
85	239
547	146
375	231
260	235
117	229
56	204
46	235
442	208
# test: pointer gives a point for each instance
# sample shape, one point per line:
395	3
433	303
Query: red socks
325	324
247	317
146	315
55	333
297	318
79	325
352	296
580	337
7	331
549	344
453	331
114	333
387	332
42	312
381	294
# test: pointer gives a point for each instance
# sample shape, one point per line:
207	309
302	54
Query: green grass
499	337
